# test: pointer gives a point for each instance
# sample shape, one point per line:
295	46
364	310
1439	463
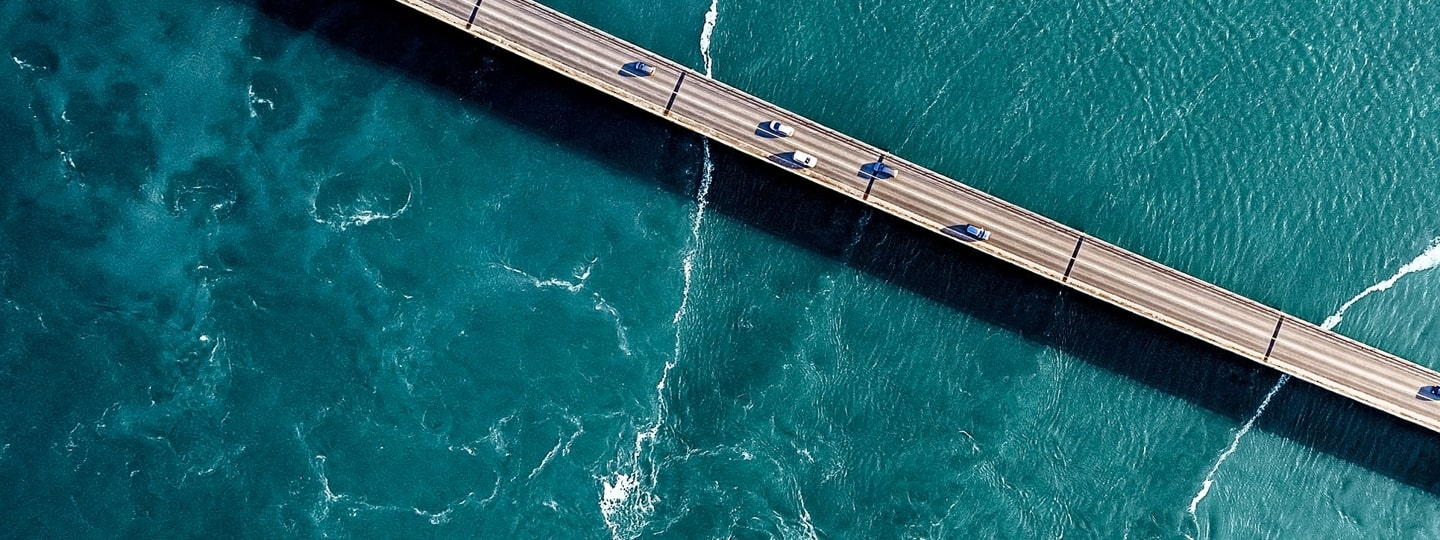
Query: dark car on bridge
639	69
974	232
1429	393
968	232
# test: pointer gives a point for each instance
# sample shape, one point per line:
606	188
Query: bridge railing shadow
816	219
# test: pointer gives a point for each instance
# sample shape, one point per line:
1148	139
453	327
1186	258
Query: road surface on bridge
929	200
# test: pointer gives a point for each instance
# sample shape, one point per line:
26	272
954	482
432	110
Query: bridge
936	203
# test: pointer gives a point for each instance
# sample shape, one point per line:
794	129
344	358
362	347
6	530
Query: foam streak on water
711	17
324	513
627	498
365	208
581	274
1427	260
1234	444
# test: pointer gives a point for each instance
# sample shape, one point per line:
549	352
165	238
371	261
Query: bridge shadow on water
813	218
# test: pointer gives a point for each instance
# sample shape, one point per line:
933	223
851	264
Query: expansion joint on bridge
675	92
473	12
871	185
1074	254
1273	338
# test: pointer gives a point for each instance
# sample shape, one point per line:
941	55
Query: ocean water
277	269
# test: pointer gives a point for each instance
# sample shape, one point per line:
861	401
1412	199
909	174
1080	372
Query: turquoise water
332	270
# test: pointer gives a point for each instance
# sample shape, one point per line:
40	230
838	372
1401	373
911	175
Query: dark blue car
975	232
639	69
1429	393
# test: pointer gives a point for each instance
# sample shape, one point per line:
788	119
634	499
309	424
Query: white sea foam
627	499
328	497
562	447
615	491
687	261
442	517
352	505
627	494
70	443
620	334
365	209
581	273
257	100
712	16
807	526
1427	260
364	213
495	439
1234	444
494	491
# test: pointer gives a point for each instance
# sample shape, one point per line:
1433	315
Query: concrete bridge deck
929	200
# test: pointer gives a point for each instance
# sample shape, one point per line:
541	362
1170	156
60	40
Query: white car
804	160
778	129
